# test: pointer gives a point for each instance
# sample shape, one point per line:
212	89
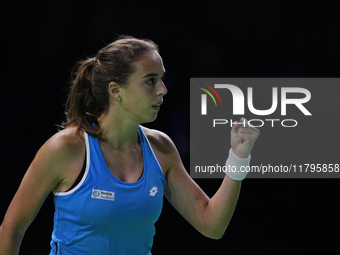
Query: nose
162	90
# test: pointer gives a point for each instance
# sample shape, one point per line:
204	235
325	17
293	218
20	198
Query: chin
150	119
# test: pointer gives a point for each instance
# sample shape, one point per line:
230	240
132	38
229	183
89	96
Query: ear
114	89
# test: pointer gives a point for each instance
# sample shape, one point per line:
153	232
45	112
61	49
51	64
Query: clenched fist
243	138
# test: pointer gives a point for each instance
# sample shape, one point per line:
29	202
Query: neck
119	133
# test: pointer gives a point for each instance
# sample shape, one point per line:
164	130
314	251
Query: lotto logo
153	191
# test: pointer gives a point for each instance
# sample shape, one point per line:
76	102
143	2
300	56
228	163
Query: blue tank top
103	215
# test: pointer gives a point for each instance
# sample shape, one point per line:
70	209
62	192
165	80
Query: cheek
136	101
139	97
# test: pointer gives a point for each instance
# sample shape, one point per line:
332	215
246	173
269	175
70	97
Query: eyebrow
152	75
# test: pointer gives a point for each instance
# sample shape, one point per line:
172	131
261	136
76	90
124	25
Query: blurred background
42	40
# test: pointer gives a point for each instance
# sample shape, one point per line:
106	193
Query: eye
152	81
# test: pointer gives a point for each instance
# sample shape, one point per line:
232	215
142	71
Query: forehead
149	62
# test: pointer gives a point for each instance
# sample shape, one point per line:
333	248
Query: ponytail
82	108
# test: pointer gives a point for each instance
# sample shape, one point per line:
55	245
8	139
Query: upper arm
184	194
46	171
181	190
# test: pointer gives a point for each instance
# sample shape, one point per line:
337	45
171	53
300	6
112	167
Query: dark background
41	41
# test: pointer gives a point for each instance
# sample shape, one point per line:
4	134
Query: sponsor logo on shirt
103	194
153	191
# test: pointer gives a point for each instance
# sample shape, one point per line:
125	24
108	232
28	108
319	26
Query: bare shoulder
163	147
159	140
62	155
66	141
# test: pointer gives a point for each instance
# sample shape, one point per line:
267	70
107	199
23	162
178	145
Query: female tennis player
108	174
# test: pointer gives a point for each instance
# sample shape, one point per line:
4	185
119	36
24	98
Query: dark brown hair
88	98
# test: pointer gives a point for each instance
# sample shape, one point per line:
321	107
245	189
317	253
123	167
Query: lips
157	106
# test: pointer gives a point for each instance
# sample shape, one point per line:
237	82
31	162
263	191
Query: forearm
221	207
9	241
